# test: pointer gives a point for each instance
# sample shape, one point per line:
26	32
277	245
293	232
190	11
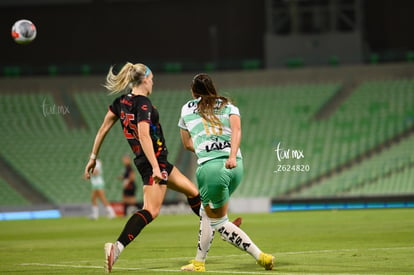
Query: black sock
195	204
125	209
134	226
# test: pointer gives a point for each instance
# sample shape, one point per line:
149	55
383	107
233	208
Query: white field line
284	253
300	252
177	270
222	271
287	253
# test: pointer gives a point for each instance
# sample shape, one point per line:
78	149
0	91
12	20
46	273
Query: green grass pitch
310	242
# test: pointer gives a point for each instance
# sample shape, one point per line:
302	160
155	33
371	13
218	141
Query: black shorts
129	190
145	169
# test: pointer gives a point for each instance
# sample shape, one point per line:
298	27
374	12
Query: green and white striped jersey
210	141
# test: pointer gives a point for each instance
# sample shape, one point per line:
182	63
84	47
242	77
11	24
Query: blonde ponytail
130	75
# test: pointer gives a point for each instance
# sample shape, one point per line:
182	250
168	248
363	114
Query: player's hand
231	163
156	175
89	168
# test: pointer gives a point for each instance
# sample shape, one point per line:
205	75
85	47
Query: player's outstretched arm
109	120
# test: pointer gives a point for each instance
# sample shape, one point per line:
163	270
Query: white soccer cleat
111	255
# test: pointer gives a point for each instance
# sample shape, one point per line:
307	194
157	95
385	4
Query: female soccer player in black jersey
140	125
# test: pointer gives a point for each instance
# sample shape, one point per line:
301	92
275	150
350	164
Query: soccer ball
23	31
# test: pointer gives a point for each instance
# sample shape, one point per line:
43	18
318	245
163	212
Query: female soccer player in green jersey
211	128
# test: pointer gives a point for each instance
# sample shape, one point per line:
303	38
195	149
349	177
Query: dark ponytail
202	86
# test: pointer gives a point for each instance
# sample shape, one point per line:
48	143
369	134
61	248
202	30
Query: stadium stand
8	196
365	121
386	173
273	116
37	143
55	156
362	122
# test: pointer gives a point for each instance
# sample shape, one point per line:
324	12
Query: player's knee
154	211
218	223
155	214
192	190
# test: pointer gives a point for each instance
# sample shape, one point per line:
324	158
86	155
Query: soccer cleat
266	260
194	265
111	255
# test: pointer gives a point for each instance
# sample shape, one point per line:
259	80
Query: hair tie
147	71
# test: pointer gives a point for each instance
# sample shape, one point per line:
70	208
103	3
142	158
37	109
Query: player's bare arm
235	125
109	120
186	140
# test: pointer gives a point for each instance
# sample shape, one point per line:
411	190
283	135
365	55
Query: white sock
205	237
120	246
234	235
95	211
110	211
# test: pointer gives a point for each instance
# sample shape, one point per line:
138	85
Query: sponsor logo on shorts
164	175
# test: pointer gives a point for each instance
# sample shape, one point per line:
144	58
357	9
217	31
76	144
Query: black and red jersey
132	109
